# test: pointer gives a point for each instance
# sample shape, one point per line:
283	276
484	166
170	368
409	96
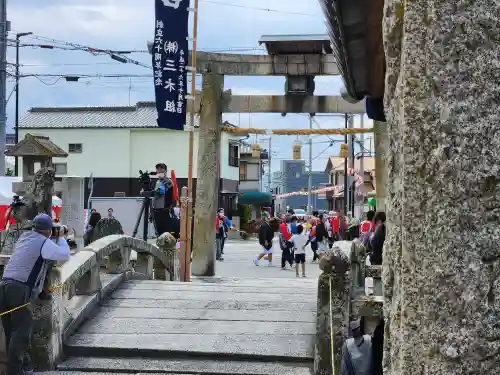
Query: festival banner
170	56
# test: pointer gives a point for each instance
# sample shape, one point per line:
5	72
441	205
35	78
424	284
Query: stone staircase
222	326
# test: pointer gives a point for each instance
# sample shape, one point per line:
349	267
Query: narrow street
239	256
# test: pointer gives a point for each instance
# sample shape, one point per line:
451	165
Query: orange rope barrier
297	131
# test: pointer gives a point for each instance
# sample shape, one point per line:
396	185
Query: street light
16	128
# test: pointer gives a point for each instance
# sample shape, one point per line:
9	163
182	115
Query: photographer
22	282
164	203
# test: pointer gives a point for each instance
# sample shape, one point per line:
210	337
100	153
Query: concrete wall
122	152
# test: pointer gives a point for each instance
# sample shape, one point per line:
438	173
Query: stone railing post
334	296
167	245
48	317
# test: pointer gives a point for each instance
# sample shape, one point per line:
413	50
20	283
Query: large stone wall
441	257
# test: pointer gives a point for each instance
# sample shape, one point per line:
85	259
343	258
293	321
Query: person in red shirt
339	226
367	226
285	246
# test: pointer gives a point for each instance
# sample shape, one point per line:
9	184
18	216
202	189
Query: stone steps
180	366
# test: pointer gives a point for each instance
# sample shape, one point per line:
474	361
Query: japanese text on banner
170	55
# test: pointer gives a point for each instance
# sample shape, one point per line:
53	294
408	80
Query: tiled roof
142	115
337	163
36	145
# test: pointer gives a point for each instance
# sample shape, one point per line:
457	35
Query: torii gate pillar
207	181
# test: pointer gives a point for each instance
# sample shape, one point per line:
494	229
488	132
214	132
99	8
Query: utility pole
16	126
269	167
4	28
350	147
309	181
362	168
346	186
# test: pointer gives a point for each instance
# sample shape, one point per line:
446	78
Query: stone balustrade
342	297
89	276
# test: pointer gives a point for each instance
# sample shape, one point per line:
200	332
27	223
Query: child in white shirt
300	241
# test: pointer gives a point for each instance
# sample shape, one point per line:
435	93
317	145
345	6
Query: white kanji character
169	106
159	32
159	40
158	65
181	69
170	65
157	56
158	74
182	52
169	85
180	97
159	24
158	48
181	60
158	82
171	47
172	3
179	109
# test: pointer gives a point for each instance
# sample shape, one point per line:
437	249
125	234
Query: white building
113	143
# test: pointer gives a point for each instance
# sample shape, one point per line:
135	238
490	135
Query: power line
261	9
207	49
115	55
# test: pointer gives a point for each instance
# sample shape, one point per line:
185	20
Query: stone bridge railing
89	276
347	290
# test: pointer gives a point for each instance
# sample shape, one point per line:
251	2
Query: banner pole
192	114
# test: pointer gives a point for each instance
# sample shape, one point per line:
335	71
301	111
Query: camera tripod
11	232
146	214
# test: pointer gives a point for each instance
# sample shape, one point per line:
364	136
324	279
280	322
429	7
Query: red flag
174	186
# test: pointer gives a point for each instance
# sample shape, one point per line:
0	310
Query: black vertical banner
170	57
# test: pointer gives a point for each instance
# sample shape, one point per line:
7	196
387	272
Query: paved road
238	262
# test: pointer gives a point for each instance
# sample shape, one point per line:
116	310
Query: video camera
146	183
17	202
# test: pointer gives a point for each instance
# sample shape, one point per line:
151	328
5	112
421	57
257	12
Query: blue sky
127	25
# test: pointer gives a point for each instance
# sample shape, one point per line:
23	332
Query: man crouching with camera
22	283
164	203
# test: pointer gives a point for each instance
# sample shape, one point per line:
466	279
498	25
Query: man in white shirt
21	284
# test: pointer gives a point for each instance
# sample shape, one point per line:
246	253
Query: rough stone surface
441	258
38	198
170	271
334	286
46	338
207	182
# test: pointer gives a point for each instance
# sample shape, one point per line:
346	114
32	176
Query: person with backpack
366	228
285	245
356	352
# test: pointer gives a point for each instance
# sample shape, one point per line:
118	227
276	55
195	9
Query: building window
60	168
243	171
119	194
234	160
75	148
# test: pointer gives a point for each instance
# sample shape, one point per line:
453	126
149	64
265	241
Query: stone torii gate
299	59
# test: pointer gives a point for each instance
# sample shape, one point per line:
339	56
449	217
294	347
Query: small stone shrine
37	188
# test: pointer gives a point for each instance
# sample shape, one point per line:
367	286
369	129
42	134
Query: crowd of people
318	233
